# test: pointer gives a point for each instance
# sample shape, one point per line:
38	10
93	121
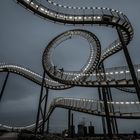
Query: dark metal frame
41	114
4	85
69	121
129	62
104	92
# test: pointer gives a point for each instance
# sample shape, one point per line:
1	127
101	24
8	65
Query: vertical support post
103	119
109	97
48	124
117	130
48	119
69	121
129	62
72	127
107	113
45	108
114	121
104	96
39	106
4	85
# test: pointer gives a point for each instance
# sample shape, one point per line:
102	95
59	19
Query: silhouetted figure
62	71
54	70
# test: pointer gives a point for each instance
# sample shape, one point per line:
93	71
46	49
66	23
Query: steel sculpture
93	74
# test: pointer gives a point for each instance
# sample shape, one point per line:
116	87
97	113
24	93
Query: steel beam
72	126
103	118
108	122
39	106
48	125
69	121
45	108
114	121
4	85
129	62
105	95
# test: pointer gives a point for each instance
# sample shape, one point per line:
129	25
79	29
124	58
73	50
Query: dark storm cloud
23	38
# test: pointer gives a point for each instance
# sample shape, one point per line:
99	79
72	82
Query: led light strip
118	19
83	8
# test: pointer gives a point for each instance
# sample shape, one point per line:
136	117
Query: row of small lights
10	127
115	46
88	100
107	73
127	103
64	16
70	7
108	50
117	103
21	68
111	73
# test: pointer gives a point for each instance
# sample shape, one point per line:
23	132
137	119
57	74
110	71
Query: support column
109	98
69	121
72	127
4	85
45	108
104	91
48	124
39	106
114	121
129	62
103	119
107	113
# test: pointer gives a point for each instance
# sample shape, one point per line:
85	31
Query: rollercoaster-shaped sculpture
92	74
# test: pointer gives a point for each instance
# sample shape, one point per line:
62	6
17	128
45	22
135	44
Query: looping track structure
88	76
89	67
101	16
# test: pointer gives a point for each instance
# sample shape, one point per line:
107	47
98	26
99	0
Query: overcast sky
23	38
